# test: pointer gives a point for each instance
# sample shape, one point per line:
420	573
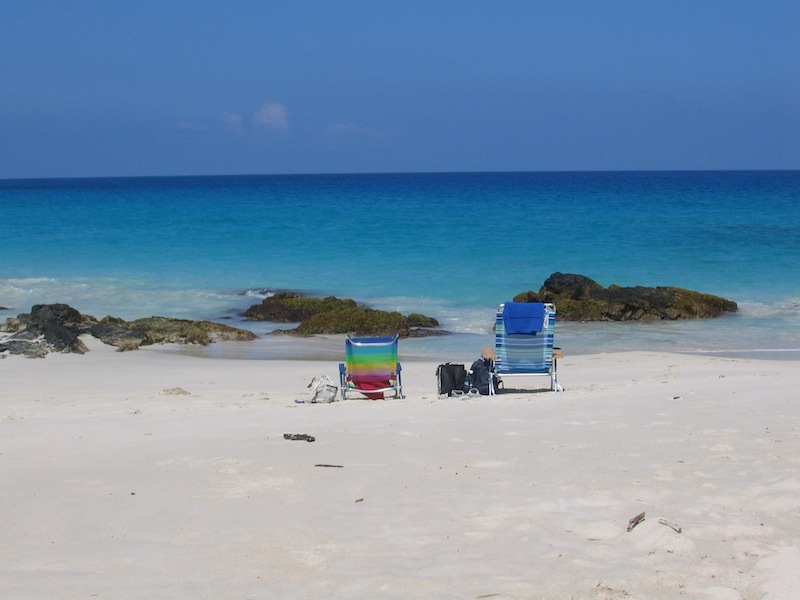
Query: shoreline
466	347
151	473
756	331
453	347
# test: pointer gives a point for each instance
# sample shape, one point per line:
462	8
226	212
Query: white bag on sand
322	390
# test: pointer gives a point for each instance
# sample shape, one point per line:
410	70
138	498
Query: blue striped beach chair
524	333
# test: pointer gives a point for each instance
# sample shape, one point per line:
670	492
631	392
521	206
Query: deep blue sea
452	246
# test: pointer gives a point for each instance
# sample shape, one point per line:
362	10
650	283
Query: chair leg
342	387
554	385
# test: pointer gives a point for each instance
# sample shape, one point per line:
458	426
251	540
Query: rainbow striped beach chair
524	333
371	367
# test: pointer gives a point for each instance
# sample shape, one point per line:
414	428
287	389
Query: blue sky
115	88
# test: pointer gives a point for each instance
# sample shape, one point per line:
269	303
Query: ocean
449	245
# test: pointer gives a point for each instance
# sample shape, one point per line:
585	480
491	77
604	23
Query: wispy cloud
232	120
189	126
354	129
272	115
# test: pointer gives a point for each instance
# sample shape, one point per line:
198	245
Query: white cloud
354	129
189	126
272	115
232	120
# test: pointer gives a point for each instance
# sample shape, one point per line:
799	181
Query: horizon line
382	173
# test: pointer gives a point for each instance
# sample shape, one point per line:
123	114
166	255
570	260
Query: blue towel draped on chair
523	317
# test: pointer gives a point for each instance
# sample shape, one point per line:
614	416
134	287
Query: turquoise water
449	245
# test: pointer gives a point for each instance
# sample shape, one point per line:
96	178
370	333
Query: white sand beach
156	475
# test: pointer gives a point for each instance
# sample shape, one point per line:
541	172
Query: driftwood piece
674	526
332	466
299	436
635	521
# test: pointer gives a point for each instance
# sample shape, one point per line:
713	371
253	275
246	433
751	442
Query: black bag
449	377
479	376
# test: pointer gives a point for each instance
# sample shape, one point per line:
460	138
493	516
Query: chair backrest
524	334
374	357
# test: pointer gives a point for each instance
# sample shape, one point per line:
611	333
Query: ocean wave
26	281
750	351
784	307
457	318
23	287
259	294
121	298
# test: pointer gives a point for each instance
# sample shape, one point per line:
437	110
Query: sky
116	88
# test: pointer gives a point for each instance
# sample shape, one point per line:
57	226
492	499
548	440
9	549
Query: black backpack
449	377
479	376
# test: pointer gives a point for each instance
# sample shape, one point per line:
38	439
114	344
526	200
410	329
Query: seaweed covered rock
579	298
289	307
357	320
418	320
57	327
333	315
129	335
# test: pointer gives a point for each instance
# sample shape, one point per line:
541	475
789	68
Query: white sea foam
28	281
451	317
259	294
120	298
789	307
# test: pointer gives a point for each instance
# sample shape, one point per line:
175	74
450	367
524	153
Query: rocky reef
56	327
336	315
578	298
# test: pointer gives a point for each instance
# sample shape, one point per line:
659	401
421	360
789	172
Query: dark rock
43	316
579	298
56	327
424	332
26	334
335	315
62	339
290	333
47	328
25	348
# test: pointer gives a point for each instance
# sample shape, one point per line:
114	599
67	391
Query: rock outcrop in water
56	327
335	315
578	298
